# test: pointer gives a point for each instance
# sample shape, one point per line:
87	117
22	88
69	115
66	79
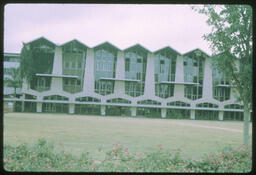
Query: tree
27	68
231	42
14	80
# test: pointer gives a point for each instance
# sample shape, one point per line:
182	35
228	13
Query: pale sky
152	26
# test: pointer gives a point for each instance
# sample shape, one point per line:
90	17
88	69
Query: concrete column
207	82
133	111
39	107
71	108
103	109
233	94
149	80
120	65
25	85
89	72
57	62
192	114
120	73
22	102
163	112
221	115
56	83
179	77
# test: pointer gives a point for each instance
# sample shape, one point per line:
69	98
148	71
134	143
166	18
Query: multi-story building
104	80
11	60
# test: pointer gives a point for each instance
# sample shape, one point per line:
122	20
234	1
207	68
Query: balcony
175	82
223	85
119	79
55	75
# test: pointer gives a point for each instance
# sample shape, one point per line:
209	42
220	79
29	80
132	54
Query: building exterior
104	80
11	60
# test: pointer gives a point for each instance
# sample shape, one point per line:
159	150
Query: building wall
119	88
11	60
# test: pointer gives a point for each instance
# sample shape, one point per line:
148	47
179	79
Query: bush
41	157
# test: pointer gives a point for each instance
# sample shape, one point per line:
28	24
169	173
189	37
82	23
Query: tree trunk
14	103
246	126
14	92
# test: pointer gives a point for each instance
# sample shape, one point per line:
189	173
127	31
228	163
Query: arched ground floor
122	110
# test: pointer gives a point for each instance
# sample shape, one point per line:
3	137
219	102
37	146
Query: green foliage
231	43
14	80
42	157
36	57
26	64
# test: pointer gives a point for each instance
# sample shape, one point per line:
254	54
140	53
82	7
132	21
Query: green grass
81	133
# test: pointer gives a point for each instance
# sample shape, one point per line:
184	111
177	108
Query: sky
152	26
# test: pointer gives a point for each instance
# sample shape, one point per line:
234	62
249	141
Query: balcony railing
42	88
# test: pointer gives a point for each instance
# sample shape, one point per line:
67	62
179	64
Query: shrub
41	157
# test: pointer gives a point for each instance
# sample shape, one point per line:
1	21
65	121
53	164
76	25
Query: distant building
104	80
11	60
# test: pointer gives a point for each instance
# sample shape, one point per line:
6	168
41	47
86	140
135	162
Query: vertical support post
221	115
71	108
133	111
192	114
88	86
120	68
57	62
149	79
179	77
207	82
22	103
39	106
163	112
103	109
22	106
57	69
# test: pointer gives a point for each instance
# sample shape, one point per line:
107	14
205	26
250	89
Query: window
138	75
73	64
41	82
161	61
161	68
79	65
47	83
127	65
78	82
156	77
184	63
66	64
66	81
138	60
195	64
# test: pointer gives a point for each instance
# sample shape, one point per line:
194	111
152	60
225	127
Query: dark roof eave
42	37
137	45
167	47
106	43
72	41
196	50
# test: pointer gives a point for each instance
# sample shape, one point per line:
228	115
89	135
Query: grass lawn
80	133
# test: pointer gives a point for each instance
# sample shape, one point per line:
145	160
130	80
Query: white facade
119	87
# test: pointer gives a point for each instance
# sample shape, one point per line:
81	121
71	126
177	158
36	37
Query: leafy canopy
231	43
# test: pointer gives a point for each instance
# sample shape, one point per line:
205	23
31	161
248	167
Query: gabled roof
41	38
196	50
168	48
137	46
74	40
107	44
